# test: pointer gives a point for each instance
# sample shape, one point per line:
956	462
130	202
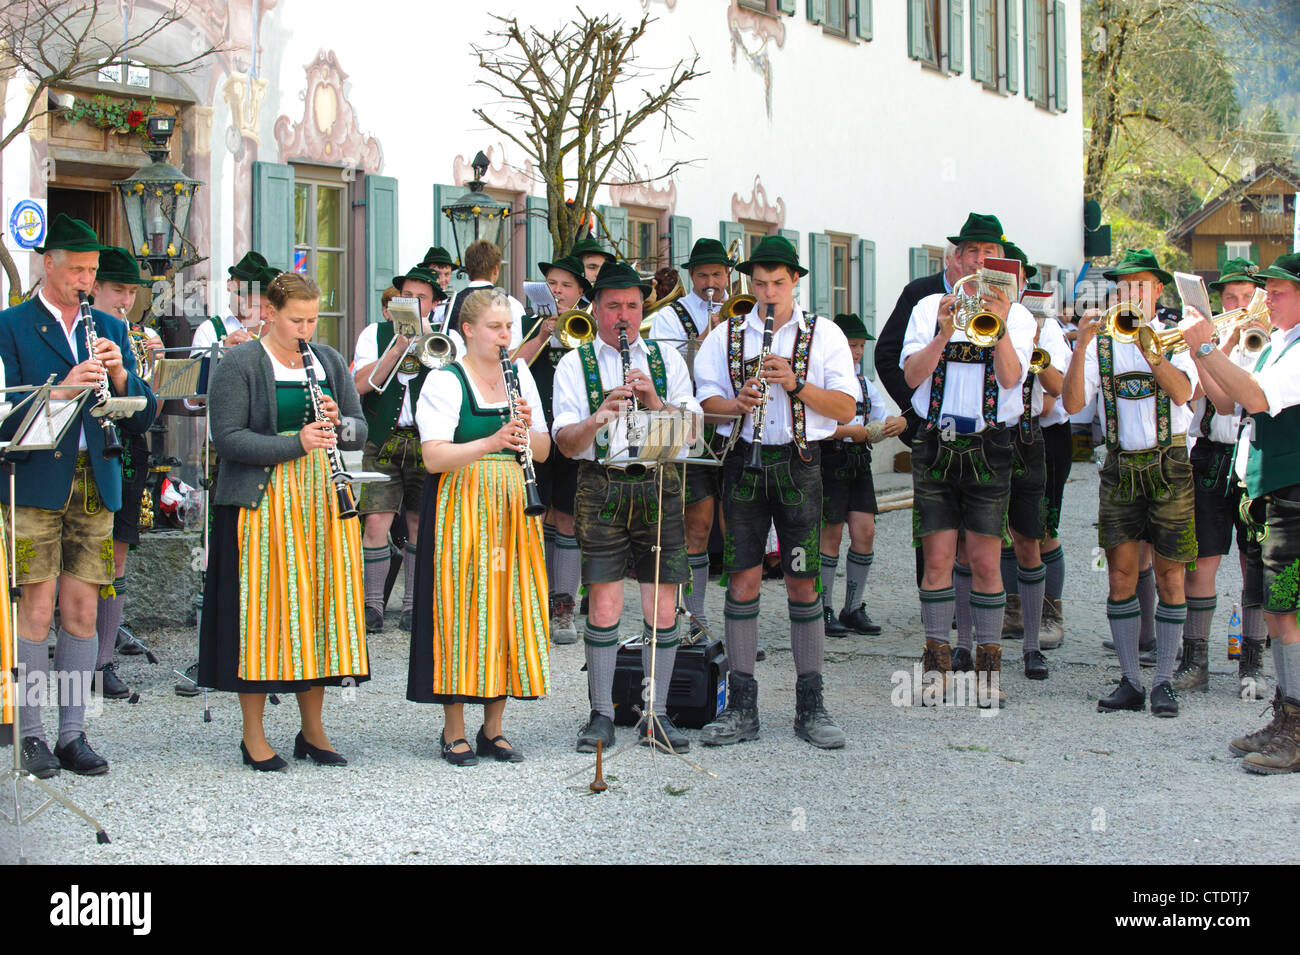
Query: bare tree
560	90
48	43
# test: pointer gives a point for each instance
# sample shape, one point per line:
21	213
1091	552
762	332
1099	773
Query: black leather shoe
405	622
374	620
961	660
677	740
1126	697
464	757
109	684
489	747
858	621
833	627
598	727
321	757
1163	701
1035	665
76	756
188	685
760	656
128	648
37	758
273	765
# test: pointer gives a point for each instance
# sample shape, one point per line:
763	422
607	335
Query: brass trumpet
1124	321
982	327
1039	361
575	328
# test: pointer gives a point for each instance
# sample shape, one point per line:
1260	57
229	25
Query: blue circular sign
27	223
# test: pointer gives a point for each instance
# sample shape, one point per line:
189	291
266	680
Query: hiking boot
962	662
1013	622
1281	754
563	631
833	626
811	721
739	721
1194	673
988	675
1250	670
1256	741
937	658
1051	632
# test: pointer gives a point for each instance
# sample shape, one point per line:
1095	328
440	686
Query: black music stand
43	426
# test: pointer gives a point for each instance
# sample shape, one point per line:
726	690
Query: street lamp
157	201
476	215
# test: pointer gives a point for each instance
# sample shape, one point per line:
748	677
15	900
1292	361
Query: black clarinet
636	468
338	475
764	390
534	505
112	443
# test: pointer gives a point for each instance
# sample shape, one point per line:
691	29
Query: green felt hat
267	275
1012	251
773	250
571	264
71	235
119	265
1138	260
249	268
421	274
709	252
619	275
1236	270
589	245
1283	267
979	228
852	327
436	255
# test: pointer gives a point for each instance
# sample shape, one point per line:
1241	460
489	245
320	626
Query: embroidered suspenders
596	391
740	370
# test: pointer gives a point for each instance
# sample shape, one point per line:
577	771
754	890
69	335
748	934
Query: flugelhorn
982	327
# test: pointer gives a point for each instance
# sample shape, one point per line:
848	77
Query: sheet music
46	427
405	313
1191	289
540	298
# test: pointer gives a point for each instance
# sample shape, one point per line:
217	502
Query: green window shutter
862	19
867	301
1011	41
819	273
1222	252
916	29
981	69
614	231
956	36
1060	72
729	232
273	213
679	239
381	240
793	236
786	7
1254	253
538	233
918	263
817	11
442	236
1033	55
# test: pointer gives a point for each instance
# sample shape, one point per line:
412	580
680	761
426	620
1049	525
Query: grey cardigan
242	413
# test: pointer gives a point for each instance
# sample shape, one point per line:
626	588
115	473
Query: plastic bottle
1234	633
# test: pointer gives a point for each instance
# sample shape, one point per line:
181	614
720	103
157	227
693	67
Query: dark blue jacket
34	347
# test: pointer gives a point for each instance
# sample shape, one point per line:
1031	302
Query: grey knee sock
1252	624
699	564
1009	567
961	580
568	563
34	661
986	611
1054	561
665	660
1290	653
408	568
807	636
1032	582
855	580
74	668
829	563
1279	667
741	631
936	613
1146	595
1169	634
375	567
1200	615
1125	620
548	548
601	647
107	621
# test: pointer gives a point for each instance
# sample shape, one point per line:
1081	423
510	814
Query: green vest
475	422
383	408
1273	457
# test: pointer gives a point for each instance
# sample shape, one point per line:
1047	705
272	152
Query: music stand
45	422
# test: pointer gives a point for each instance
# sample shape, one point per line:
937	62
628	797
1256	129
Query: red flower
134	118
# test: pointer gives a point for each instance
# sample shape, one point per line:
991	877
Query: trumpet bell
739	304
982	327
1253	341
575	328
1039	361
1123	322
434	350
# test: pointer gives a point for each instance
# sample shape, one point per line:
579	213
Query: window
772	7
1238	250
1271	205
936	33
643	246
320	216
841	287
754	233
1045	46
510	231
994	44
837	17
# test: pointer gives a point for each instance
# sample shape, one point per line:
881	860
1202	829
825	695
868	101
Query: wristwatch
799	382
1206	350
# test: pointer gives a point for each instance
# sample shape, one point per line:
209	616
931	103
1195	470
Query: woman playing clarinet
282	609
480	629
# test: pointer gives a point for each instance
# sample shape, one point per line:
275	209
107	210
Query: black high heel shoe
321	757
272	765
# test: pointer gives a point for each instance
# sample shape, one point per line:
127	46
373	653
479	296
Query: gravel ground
1047	779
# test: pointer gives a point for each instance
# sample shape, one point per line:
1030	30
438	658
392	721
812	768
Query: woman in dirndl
282	608
481	614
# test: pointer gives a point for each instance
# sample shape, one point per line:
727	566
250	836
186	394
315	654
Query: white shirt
205	336
438	411
284	373
1223	428
877	411
367	352
963	393
830	366
667	326
1280	381
71	335
1137	416
1051	340
569	401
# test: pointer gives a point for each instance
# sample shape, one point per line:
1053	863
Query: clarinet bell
112	443
534	507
